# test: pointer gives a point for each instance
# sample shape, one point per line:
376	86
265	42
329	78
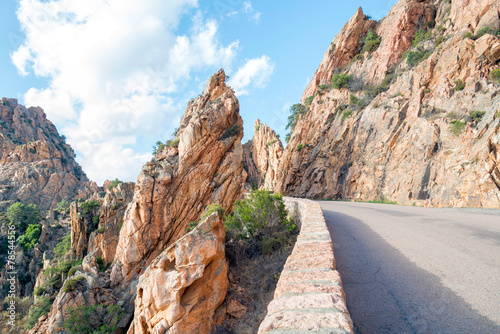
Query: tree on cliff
23	215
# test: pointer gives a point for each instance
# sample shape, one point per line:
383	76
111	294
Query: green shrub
158	147
64	246
468	34
256	128
39	291
54	282
191	226
383	200
308	101
495	75
416	57
65	266
261	214
353	99
114	184
259	223
373	91
23	215
459	85
74	266
371	42
341	80
100	263
271	142
358	57
421	36
72	271
296	111
481	32
322	88
457	127
346	114
233	130
210	209
452	115
477	115
299	147
71	283
439	40
52	271
93	319
362	103
62	206
89	207
273	243
175	142
40	308
30	238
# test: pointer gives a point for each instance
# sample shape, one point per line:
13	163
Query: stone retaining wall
309	297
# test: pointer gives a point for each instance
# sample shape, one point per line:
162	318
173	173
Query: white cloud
256	72
113	66
248	9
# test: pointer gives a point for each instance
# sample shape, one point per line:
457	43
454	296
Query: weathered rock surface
98	230
344	47
173	189
261	157
105	239
401	145
36	166
397	31
183	287
473	14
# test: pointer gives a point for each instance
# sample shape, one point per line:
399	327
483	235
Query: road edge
309	296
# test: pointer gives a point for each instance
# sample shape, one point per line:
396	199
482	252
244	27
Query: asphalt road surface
417	270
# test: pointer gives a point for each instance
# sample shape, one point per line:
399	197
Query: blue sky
115	76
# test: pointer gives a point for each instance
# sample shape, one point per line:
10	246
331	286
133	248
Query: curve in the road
417	270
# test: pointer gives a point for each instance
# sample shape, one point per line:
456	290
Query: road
417	270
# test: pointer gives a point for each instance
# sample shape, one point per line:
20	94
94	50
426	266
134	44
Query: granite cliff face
96	228
36	166
176	280
418	121
173	189
261	157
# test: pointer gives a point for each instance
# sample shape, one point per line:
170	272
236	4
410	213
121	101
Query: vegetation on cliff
260	234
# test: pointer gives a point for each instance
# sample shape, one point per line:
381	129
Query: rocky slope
417	122
36	166
261	157
172	190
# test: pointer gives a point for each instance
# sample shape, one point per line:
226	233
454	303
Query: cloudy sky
115	75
